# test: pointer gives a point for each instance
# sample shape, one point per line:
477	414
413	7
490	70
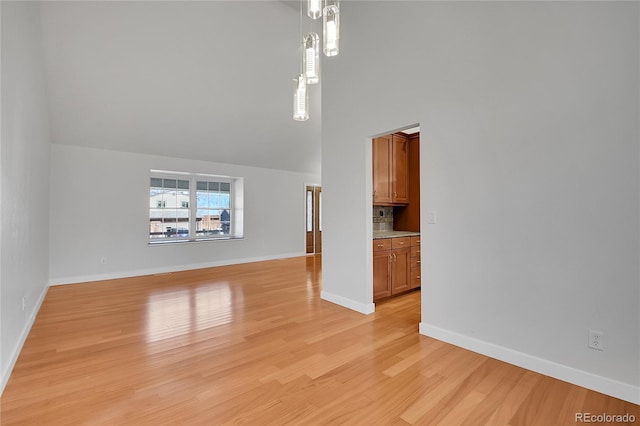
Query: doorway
314	219
395	185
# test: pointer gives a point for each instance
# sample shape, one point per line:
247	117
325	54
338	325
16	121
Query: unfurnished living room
320	212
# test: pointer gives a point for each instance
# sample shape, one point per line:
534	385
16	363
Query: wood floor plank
254	344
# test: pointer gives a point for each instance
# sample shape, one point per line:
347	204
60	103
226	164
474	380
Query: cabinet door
400	275
381	274
382	170
400	180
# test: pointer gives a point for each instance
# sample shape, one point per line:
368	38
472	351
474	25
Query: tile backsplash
382	218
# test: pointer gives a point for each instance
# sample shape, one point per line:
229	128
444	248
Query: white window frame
236	192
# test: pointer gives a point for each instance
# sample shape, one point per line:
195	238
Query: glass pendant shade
331	27
314	9
311	57
300	99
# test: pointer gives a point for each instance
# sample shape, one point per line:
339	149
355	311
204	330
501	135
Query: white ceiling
202	80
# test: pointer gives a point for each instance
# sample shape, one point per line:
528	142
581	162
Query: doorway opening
396	258
314	219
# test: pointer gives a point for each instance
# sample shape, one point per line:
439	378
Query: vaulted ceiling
202	80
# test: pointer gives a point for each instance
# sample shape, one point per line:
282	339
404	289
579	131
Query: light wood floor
254	344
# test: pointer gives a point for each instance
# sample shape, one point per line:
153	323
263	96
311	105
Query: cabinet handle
417	261
418	277
380	245
395	258
395	194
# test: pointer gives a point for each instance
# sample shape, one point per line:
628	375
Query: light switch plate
432	217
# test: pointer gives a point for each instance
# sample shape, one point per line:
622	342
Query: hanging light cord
300	39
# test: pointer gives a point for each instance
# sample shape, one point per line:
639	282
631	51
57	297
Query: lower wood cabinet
393	267
416	262
381	274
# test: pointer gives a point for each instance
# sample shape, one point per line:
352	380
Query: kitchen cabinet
381	268
400	166
407	217
416	263
382	156
390	170
392	262
400	265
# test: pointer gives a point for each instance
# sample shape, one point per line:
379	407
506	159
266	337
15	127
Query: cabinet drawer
382	244
400	242
415	251
415	241
415	262
415	277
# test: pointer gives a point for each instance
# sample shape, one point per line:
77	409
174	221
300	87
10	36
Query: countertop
393	234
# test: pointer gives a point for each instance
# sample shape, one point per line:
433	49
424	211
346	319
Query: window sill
160	242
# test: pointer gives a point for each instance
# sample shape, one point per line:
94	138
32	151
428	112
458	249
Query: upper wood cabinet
407	217
390	170
400	165
382	173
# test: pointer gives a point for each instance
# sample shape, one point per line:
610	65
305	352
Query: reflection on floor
254	344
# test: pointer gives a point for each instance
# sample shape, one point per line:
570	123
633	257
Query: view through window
168	208
192	207
213	208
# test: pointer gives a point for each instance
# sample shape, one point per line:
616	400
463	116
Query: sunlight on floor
177	312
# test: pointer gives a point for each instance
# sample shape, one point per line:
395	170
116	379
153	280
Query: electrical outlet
596	340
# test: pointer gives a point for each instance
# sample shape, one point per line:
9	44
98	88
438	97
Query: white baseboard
585	379
165	269
11	362
363	308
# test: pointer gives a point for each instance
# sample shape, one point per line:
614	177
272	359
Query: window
213	200
189	207
167	216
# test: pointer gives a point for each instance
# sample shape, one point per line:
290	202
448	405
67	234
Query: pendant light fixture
300	95
310	51
331	27
314	9
311	57
300	99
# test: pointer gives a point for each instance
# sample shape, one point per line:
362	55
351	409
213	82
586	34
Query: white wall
24	202
137	76
100	208
529	134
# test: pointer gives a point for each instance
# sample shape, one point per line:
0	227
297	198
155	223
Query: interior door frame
317	231
368	151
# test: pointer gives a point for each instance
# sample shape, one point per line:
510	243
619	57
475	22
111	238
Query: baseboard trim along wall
363	308
11	362
574	376
165	270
